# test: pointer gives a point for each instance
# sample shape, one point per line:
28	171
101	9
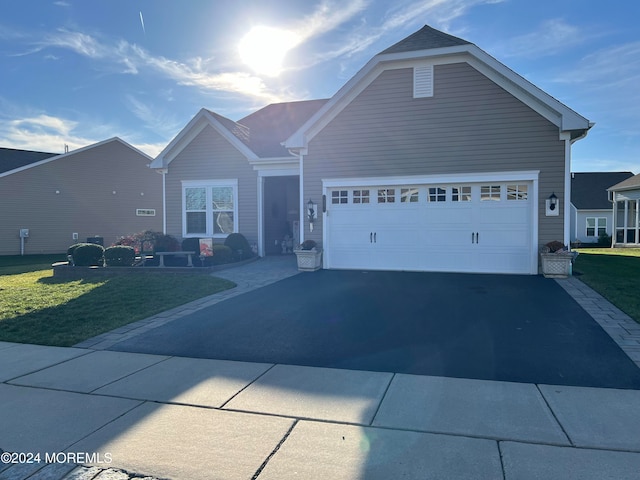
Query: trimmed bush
191	245
221	255
88	254
165	243
239	246
119	256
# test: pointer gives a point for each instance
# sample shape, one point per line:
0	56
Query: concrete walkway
104	415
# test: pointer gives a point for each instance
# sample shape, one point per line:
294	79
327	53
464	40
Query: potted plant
556	260
309	256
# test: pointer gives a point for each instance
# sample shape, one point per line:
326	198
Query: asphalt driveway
492	327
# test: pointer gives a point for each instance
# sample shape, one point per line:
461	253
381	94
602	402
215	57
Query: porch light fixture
312	213
553	201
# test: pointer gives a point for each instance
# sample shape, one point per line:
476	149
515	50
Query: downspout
301	198
163	172
567	189
567	180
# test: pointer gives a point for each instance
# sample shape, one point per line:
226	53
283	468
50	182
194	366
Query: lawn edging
62	270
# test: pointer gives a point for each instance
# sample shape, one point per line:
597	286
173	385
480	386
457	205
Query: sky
76	72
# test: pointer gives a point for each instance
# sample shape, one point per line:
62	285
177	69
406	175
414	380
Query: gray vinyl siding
470	125
210	156
86	203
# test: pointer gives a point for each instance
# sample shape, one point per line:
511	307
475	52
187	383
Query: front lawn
37	308
614	273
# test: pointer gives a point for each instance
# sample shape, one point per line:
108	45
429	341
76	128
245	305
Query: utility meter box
24	233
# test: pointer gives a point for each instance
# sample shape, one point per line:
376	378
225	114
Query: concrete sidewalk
182	418
109	415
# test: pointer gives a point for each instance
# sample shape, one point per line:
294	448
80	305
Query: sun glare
263	49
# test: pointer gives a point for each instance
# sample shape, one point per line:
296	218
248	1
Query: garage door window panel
360	196
490	193
339	197
386	195
437	194
409	195
517	192
461	194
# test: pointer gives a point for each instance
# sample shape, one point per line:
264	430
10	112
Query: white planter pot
309	260
556	265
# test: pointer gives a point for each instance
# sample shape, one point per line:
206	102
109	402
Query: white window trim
595	226
233	183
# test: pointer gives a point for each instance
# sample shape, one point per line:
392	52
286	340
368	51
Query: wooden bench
181	254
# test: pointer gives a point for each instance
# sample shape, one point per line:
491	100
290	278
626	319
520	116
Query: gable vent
423	81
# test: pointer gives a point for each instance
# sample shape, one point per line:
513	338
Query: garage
438	224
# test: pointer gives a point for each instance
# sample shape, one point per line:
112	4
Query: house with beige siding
433	157
105	190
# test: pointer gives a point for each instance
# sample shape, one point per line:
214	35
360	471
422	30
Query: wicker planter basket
309	260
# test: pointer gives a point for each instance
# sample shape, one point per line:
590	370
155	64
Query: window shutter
423	81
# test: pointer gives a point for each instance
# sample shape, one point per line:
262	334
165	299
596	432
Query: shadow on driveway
491	327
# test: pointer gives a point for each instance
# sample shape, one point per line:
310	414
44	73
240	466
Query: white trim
528	175
74	152
191	130
562	116
207	184
302	206
515	176
261	240
567	189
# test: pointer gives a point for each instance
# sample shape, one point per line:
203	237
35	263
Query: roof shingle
425	39
589	190
11	158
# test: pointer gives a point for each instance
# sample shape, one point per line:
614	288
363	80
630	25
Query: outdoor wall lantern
552	209
312	213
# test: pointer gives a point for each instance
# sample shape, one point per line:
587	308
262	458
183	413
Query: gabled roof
628	184
273	124
424	39
258	135
589	190
11	158
54	157
428	45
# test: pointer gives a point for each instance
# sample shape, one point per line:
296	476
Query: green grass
37	308
12	264
614	273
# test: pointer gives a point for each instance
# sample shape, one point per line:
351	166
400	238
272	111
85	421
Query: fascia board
190	131
553	110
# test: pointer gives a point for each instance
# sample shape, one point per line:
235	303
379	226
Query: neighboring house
626	207
104	190
590	205
434	156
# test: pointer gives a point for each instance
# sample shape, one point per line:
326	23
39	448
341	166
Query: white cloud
154	119
328	16
552	37
42	133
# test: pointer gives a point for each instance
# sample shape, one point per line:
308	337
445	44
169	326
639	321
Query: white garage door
475	227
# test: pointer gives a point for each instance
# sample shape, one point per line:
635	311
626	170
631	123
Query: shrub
221	255
239	246
88	254
119	256
604	240
166	243
308	245
191	245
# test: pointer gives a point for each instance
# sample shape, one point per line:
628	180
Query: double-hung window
210	208
596	226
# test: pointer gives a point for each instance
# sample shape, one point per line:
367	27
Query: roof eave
566	119
195	126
